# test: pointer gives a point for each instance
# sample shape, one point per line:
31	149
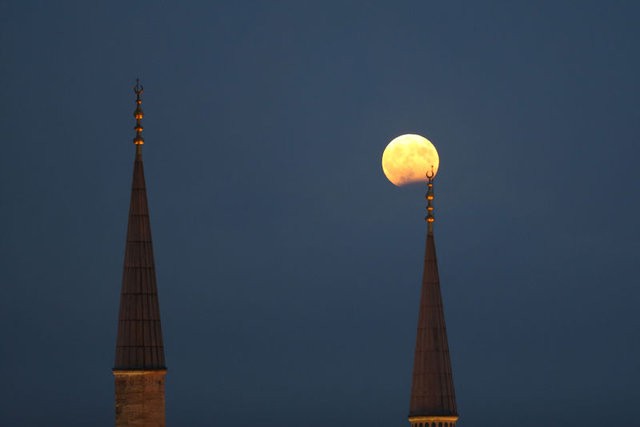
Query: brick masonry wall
140	398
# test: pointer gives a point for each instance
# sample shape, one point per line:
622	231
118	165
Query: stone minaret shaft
433	401
139	364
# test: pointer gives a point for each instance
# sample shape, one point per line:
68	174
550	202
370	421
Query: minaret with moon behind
139	368
433	402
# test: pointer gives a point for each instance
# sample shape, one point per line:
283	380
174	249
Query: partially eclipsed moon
408	158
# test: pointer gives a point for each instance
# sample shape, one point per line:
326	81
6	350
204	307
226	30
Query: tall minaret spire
433	401
139	368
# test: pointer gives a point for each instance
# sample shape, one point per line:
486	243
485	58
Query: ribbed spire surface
432	392
139	344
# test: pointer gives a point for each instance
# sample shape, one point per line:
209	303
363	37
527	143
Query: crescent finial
430	174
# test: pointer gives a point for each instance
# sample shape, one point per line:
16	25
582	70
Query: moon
408	158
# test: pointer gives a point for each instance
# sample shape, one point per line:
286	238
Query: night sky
288	266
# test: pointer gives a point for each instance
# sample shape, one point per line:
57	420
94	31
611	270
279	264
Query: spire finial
138	114
429	196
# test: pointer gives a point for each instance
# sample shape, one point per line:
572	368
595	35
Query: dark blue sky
288	266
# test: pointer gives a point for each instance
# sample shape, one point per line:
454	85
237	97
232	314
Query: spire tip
138	88
138	114
429	196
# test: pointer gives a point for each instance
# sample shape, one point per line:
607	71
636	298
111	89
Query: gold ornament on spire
429	196
138	114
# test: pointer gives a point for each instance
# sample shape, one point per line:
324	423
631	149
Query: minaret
139	365
433	400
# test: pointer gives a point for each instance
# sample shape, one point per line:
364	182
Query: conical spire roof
139	344
432	392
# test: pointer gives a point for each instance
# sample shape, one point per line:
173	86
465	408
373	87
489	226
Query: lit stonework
433	421
140	398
